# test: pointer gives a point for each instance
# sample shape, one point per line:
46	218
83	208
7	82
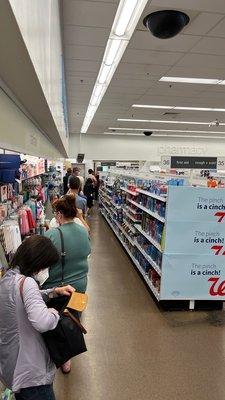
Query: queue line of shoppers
25	364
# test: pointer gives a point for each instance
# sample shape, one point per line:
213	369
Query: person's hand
64	290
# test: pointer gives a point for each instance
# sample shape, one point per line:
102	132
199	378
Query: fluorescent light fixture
179	108
127	10
125	21
103	74
190	80
156	121
163	130
112	48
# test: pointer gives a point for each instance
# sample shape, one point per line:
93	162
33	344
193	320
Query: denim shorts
44	392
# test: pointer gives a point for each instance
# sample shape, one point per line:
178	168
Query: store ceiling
198	52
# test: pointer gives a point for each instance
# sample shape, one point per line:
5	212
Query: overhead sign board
186	162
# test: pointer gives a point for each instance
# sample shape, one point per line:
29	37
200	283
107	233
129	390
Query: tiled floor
135	351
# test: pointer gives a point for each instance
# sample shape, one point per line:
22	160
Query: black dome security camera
166	24
147	133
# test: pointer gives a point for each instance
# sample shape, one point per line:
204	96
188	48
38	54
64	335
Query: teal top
77	249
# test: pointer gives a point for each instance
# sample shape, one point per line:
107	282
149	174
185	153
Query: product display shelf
136	263
117	206
152	213
131	210
153	195
131	217
131	227
133	193
153	241
148	258
103	199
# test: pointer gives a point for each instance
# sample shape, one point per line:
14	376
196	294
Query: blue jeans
44	392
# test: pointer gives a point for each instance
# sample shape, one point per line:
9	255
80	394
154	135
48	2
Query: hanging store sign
185	162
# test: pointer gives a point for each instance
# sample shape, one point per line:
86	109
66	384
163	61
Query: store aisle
134	350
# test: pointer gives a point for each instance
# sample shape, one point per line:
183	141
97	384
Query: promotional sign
189	162
193	266
184	237
193	278
196	204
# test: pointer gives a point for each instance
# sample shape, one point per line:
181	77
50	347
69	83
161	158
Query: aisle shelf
131	227
152	213
132	210
148	258
153	195
105	200
129	191
136	263
118	206
132	218
124	232
153	241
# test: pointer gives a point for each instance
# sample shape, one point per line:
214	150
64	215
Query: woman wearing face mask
25	364
77	249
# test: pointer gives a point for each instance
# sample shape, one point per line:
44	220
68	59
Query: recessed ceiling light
191	80
179	108
156	121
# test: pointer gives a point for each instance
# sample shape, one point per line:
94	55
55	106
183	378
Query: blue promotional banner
193	278
196	204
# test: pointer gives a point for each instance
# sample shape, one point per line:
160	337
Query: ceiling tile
201	60
141	69
202	23
144	40
209	45
85	36
89	13
214	6
197	71
151	57
79	66
219	30
91	53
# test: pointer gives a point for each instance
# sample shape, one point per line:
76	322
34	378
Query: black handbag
67	339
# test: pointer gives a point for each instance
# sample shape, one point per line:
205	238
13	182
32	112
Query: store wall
18	133
102	147
39	23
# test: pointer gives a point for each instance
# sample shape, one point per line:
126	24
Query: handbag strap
63	255
22	280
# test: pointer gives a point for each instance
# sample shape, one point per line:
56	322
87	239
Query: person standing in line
91	175
74	189
89	192
77	250
25	364
66	179
76	173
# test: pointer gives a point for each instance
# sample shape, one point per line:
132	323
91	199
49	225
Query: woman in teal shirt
77	249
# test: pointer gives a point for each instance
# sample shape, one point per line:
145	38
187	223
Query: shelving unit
165	258
153	214
136	263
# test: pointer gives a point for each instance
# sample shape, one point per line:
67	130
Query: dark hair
90	171
74	183
66	206
69	171
34	254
